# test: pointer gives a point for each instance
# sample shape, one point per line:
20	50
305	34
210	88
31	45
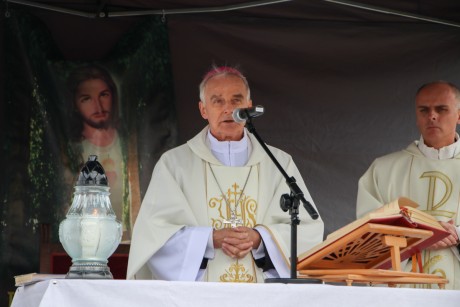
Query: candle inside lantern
90	237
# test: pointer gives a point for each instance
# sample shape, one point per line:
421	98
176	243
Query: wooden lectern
370	254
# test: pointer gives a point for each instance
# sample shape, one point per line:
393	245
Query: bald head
455	90
437	112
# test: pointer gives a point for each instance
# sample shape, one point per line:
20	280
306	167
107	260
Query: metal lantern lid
92	173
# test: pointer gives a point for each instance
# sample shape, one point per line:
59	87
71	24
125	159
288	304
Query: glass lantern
90	233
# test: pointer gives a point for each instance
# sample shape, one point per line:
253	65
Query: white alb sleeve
282	269
180	257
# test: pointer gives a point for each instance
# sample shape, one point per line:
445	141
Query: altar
122	293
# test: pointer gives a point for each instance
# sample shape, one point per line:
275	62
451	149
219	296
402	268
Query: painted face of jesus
93	101
222	94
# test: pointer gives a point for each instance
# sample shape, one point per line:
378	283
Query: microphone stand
288	202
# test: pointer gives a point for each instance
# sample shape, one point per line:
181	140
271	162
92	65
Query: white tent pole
52	8
197	10
147	12
393	12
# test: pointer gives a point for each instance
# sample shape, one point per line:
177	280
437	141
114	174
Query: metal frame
393	12
102	13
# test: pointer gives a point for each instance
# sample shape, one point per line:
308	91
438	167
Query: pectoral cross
234	221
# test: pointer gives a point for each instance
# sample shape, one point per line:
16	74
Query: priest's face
222	95
437	112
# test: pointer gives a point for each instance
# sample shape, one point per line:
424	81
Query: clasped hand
236	242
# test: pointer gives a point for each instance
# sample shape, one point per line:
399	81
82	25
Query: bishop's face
437	115
222	95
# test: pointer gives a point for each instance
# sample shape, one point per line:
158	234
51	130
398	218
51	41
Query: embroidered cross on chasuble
240	188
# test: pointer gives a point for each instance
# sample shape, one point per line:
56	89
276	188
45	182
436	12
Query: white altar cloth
123	293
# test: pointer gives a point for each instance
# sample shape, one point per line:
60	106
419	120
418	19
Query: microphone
240	115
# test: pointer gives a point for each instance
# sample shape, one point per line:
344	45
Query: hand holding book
449	241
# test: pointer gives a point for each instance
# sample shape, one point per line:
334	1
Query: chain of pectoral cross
234	220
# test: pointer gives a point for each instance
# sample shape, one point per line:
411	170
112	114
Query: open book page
31	278
392	207
422	217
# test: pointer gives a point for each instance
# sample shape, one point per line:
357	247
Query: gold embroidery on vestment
247	206
430	262
237	273
232	203
433	178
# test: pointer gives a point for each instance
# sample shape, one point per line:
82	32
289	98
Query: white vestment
177	201
433	184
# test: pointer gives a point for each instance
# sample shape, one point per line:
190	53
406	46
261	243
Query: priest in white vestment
212	212
428	172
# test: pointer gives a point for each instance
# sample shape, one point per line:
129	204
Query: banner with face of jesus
58	112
